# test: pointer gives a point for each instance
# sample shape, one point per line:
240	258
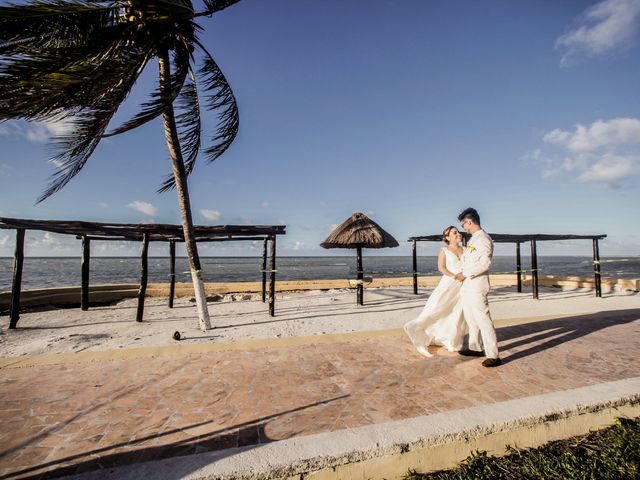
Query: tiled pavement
62	419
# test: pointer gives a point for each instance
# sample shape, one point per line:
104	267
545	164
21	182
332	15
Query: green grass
612	453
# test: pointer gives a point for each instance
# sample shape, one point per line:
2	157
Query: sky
406	110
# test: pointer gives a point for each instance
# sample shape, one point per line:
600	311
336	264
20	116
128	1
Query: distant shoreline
310	256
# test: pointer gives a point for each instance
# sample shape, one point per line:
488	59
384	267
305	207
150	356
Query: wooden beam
172	271
144	277
596	268
415	267
272	278
16	286
134	231
264	270
534	269
360	286
513	238
86	261
519	267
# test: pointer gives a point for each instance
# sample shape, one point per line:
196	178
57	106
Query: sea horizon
45	272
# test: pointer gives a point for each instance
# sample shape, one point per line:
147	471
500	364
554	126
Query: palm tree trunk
179	173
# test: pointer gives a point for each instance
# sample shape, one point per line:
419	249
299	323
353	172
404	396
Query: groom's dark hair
470	213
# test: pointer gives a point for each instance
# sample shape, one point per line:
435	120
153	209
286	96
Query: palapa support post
596	268
519	267
86	259
360	286
534	269
264	270
415	267
16	286
272	279
172	271
143	277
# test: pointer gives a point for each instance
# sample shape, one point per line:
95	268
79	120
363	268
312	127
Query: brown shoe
471	353
491	362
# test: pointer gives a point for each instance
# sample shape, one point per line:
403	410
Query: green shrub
612	453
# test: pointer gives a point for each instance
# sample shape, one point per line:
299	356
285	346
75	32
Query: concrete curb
424	443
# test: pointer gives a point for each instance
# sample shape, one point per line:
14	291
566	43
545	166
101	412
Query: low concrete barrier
389	450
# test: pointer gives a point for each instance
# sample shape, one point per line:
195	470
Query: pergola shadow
537	337
248	434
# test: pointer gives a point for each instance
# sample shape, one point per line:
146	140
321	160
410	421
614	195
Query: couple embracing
459	302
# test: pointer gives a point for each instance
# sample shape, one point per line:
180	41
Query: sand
54	331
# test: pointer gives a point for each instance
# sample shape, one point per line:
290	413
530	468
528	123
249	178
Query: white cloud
211	215
4	240
298	245
58	163
611	168
605	152
331	226
147	221
615	133
143	207
37	132
264	204
603	27
103	204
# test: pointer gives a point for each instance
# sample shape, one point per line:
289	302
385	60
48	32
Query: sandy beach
239	317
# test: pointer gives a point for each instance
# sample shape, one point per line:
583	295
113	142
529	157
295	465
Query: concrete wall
110	293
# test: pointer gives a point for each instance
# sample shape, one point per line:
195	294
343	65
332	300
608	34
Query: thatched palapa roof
359	230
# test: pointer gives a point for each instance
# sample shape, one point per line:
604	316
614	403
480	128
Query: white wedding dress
441	321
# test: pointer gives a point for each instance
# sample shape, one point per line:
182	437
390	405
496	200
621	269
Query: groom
476	261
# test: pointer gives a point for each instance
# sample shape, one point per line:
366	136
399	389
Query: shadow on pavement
247	434
552	333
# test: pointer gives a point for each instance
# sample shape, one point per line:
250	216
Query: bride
441	321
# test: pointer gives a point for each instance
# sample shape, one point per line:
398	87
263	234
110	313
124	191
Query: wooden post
415	267
360	287
264	270
172	271
84	286
519	267
596	268
272	278
534	269
14	312
143	277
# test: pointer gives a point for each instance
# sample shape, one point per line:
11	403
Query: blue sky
408	110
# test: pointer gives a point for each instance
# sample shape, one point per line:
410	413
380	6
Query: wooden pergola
519	239
145	233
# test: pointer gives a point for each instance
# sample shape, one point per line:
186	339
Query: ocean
44	272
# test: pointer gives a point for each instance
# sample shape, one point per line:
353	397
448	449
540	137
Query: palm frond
213	6
42	82
219	98
55	56
158	102
54	23
189	129
88	124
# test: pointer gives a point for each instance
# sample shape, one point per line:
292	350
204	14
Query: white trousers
481	330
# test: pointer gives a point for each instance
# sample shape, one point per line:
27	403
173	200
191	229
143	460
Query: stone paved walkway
67	418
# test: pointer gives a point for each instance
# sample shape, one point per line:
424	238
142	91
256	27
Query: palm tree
79	59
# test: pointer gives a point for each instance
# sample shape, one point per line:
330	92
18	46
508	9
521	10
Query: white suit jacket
476	262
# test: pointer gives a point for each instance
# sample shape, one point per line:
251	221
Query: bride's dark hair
446	232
